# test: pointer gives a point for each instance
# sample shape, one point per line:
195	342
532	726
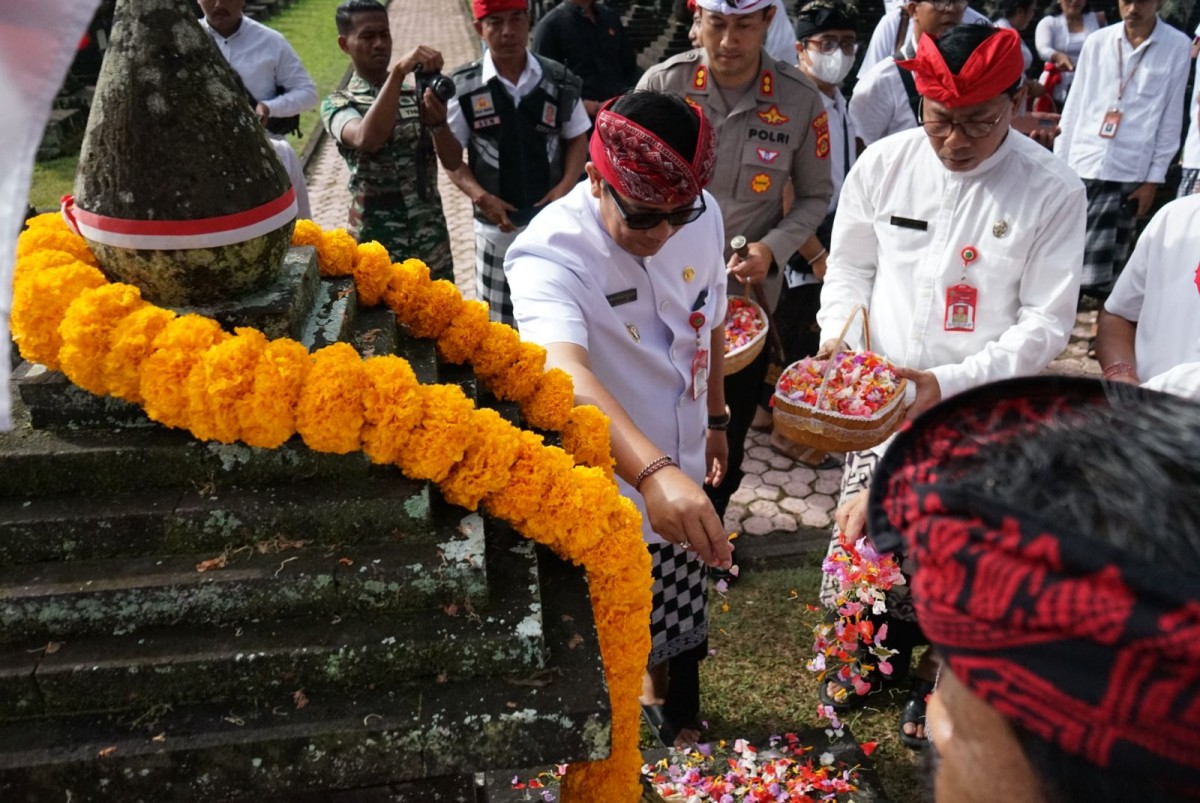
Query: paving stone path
777	495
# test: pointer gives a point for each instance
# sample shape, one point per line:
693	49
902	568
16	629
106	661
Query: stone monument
182	620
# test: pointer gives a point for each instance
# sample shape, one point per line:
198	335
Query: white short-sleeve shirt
572	283
1159	290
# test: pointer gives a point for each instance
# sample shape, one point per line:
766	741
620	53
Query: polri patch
481	104
773	116
760	183
767	156
821	127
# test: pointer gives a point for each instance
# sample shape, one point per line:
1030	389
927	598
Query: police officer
772	131
377	124
521	119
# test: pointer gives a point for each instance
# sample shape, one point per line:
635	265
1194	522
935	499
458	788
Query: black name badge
910	223
623	297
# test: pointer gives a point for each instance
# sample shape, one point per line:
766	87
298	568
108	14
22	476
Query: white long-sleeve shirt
1158	290
1151	107
267	64
1022	211
1052	36
879	105
1191	144
883	38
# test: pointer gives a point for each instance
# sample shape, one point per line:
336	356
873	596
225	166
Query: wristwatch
720	422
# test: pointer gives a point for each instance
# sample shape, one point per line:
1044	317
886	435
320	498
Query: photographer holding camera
520	117
387	134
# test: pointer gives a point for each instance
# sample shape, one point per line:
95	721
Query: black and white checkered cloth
1110	227
491	286
679	620
1189	182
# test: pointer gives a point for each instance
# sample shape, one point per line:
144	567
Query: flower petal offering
860	385
744	324
846	403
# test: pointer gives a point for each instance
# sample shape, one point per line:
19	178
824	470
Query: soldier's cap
734	7
484	8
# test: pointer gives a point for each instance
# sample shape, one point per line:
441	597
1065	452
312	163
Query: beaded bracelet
654	465
1117	369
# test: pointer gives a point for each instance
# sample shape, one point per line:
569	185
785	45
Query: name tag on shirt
623	297
910	223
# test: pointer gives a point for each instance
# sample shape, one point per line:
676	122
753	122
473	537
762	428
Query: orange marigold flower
306	233
47	238
39	303
336	253
586	436
552	402
520	379
40	260
466	331
372	272
497	351
48	220
267	414
393	406
441	438
129	345
440	302
222	378
177	350
87	329
330	414
485	467
408	282
530	480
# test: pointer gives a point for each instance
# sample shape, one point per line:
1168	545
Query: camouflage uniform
386	205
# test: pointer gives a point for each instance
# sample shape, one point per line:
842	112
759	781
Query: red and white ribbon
170	235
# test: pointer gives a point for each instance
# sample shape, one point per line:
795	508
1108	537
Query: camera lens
442	86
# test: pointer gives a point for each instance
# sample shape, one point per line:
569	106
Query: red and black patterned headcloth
1090	647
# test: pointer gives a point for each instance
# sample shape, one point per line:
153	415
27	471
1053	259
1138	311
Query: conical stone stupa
178	191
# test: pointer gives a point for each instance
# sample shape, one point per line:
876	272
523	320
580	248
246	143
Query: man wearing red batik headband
963	240
1065	603
624	284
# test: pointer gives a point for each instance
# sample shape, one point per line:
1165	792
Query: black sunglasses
641	221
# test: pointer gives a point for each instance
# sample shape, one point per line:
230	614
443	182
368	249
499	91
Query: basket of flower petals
746	329
844	403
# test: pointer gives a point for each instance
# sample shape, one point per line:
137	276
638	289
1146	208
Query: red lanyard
1122	80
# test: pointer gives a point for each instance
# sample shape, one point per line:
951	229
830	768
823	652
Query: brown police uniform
777	131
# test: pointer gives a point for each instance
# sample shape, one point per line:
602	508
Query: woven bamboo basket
739	358
833	432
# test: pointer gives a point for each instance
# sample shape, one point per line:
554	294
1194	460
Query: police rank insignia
999	228
820	127
700	78
760	183
766	85
773	116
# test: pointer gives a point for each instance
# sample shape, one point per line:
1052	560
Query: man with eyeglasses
894	32
963	239
772	132
885	98
624	284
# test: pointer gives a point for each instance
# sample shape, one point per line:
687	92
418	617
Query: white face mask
830	67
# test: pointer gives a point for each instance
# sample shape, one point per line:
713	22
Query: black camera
443	88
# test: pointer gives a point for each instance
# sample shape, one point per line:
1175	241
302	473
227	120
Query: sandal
666	731
914	713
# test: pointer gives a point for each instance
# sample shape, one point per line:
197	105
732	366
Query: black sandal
914	713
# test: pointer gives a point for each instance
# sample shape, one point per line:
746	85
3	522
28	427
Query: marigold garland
188	373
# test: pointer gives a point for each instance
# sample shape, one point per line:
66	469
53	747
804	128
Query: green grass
307	24
757	682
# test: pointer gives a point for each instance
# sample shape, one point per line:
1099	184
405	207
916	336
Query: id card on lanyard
962	300
1112	118
700	361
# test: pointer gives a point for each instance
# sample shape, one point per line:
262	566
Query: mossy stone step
361	738
172	521
376	333
62	600
271	660
331	318
37	462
